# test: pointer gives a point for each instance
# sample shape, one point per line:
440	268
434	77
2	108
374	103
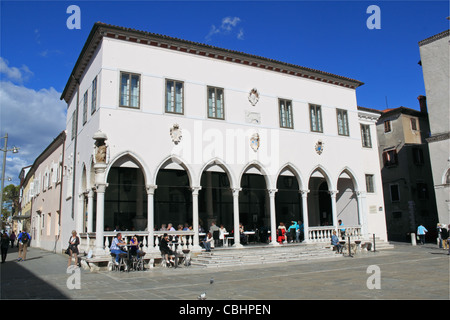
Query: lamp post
5	150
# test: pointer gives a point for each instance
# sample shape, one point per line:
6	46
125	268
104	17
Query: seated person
134	246
281	232
165	250
335	242
207	242
115	246
242	235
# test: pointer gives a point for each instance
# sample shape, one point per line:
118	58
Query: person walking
12	238
421	231
74	241
24	241
4	246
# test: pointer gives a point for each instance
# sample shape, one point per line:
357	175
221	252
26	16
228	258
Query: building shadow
19	283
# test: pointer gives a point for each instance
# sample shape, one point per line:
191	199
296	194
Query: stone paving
405	272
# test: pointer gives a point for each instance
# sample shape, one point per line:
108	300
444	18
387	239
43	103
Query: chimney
423	103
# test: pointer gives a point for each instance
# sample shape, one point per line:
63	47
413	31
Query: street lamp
5	150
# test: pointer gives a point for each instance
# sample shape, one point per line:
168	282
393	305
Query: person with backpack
24	241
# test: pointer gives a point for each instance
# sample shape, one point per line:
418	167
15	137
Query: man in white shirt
115	246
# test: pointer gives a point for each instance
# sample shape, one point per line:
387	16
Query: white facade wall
144	133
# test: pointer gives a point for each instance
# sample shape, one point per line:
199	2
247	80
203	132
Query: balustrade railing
180	240
324	233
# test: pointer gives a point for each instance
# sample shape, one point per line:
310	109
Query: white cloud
17	75
227	27
31	118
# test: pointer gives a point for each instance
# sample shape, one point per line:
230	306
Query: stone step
222	257
260	256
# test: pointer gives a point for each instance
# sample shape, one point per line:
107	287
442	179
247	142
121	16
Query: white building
435	57
190	133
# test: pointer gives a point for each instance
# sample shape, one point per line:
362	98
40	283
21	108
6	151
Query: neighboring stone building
406	171
435	57
41	196
22	217
163	130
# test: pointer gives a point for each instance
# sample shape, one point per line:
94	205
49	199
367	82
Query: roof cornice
438	36
101	30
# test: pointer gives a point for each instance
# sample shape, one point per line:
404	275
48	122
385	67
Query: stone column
195	191
99	230
90	223
333	208
151	217
362	214
80	213
305	214
273	222
237	238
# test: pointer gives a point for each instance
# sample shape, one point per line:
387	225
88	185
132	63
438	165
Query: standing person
4	246
444	235
293	231
222	232
12	238
301	231
421	231
439	233
23	241
74	241
341	224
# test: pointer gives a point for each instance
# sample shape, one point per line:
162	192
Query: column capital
151	188
195	190
304	192
100	187
272	192
333	193
360	194
236	191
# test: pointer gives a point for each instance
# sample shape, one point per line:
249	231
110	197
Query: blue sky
38	51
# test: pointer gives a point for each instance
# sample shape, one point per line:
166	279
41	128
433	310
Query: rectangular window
74	125
215	103
413	124
342	122
315	113
285	113
387	126
85	107
94	96
395	192
422	191
390	158
174	96
397	215
365	136
418	156
129	90
369	183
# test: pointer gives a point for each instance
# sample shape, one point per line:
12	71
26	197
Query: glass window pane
124	90
219	103
169	96
134	95
179	97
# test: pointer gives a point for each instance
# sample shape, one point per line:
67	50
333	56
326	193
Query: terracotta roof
101	30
